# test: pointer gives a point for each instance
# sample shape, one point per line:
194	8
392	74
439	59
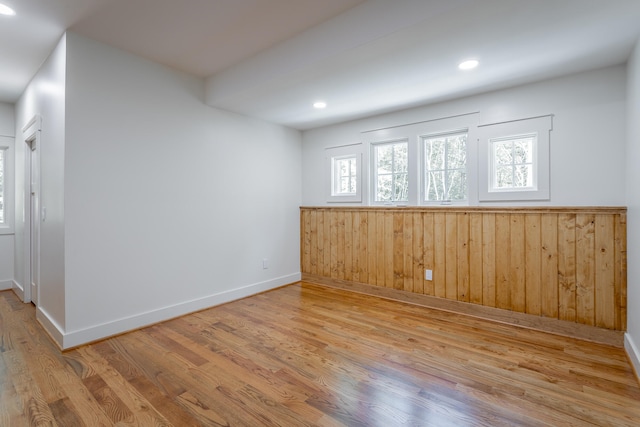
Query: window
390	171
2	169
445	167
514	160
345	170
512	163
344	175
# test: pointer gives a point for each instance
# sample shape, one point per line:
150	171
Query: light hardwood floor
309	355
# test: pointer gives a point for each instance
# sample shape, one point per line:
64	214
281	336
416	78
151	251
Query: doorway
32	214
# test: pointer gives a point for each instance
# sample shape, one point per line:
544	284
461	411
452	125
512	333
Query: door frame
31	137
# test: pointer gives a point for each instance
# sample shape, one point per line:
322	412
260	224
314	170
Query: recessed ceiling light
468	65
320	105
6	10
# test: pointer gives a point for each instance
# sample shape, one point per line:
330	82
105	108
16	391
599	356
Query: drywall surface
587	143
44	97
170	205
632	339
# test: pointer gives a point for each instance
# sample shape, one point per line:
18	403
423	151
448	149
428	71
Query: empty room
320	213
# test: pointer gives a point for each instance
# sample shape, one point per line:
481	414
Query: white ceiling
273	58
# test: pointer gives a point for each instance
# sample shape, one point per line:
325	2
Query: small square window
512	165
514	160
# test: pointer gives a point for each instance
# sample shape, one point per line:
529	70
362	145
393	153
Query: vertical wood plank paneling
418	253
389	242
462	279
333	244
305	242
585	268
324	237
380	248
549	261
517	264
451	256
503	261
364	250
313	242
348	246
475	258
567	267
439	258
340	233
355	238
533	253
398	251
489	277
407	241
372	246
428	241
621	272
568	264
605	288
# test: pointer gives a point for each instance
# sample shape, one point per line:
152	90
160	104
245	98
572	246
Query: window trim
373	173
423	168
493	165
338	153
542	127
412	133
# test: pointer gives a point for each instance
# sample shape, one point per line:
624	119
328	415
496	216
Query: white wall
7	127
170	205
7	120
587	141
44	96
632	338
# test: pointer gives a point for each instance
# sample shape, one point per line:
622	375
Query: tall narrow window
445	167
2	169
344	176
390	171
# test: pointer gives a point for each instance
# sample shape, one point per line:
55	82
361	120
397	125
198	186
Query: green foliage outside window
445	167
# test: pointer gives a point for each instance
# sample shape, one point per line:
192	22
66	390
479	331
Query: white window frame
539	126
423	169
493	187
334	154
6	145
336	177
374	175
413	132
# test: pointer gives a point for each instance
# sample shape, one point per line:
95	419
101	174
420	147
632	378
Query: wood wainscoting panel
567	263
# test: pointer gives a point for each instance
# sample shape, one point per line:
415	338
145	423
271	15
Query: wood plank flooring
307	355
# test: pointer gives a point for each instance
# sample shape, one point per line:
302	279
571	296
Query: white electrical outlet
428	275
265	263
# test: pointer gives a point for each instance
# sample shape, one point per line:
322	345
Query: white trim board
67	340
633	354
6	285
18	289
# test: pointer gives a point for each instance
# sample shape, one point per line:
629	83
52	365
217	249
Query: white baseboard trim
6	285
51	326
633	353
71	339
18	289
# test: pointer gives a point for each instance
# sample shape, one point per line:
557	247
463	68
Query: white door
34	215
